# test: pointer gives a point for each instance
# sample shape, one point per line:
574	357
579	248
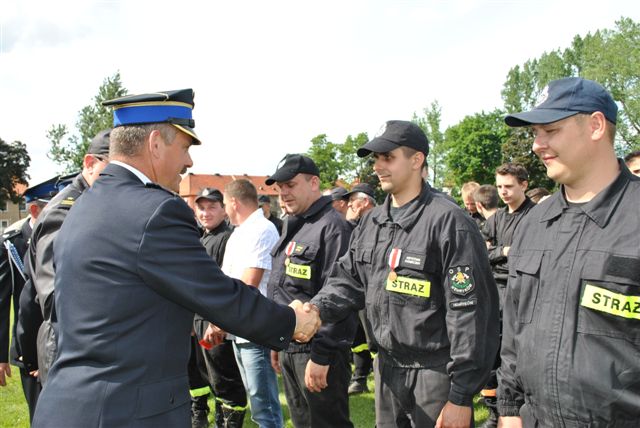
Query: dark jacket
130	273
35	331
571	338
498	231
317	238
443	305
11	283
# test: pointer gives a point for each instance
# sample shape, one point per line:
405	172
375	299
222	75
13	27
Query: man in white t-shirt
248	258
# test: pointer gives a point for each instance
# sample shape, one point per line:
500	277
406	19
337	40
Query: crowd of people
132	308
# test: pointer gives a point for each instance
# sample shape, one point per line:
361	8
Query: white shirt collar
135	171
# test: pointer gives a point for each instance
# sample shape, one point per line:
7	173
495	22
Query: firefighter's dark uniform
435	323
315	239
571	347
219	363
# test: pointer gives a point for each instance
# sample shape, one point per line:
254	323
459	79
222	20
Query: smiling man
418	265
571	326
131	272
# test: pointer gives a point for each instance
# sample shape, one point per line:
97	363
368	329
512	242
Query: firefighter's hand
315	376
454	416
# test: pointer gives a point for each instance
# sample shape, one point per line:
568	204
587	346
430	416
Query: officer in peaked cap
14	244
131	273
34	331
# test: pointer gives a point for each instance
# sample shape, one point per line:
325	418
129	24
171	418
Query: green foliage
610	57
92	119
473	148
340	161
430	124
14	162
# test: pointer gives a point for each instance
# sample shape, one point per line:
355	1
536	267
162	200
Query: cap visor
377	145
537	117
189	131
280	176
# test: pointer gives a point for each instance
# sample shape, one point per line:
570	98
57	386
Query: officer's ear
154	143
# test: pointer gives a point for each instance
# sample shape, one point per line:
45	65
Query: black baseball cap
264	199
564	98
361	188
100	144
211	194
394	134
292	165
337	193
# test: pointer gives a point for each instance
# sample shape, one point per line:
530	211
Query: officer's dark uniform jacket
321	236
11	283
499	230
443	307
35	331
215	244
571	344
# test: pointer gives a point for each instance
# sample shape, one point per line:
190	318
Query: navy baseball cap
173	107
292	165
100	144
361	188
564	98
394	134
337	193
211	194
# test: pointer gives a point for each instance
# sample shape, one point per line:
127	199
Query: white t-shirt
249	246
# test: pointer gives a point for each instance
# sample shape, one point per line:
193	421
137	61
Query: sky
271	75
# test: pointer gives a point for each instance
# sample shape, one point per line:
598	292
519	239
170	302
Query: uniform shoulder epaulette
153	185
66	203
9	234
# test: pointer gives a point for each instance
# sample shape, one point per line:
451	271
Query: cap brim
537	117
280	176
377	145
189	131
210	198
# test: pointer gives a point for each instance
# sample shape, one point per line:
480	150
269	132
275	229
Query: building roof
191	184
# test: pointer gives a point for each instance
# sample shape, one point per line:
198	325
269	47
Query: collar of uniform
601	207
317	206
222	227
524	205
411	216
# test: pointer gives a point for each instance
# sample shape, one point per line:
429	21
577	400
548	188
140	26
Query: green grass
14	414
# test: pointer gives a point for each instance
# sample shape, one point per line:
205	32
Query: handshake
307	320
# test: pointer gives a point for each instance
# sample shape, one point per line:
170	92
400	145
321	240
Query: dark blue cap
174	107
564	98
292	165
361	188
42	191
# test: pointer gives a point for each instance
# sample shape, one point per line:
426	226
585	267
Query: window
3	225
3	206
22	206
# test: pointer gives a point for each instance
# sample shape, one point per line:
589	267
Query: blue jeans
261	383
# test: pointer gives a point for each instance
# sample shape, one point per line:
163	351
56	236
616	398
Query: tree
325	155
610	57
472	148
430	124
92	119
14	162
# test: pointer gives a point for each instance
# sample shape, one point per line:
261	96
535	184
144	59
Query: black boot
233	418
358	386
199	412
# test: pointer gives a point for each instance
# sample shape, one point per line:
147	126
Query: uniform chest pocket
609	301
525	280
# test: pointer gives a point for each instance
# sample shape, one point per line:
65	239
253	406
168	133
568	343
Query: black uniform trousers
362	360
31	388
326	409
224	376
409	397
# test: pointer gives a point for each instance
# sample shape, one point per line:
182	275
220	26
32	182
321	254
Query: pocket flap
528	262
159	397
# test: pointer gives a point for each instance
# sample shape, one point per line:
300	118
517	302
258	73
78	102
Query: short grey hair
128	140
362	195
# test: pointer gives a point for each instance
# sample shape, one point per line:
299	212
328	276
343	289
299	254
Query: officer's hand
5	369
315	376
34	373
275	362
307	321
454	416
509	422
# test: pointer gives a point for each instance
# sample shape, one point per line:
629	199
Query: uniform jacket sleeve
169	249
490	234
472	315
29	320
510	395
5	303
343	292
339	334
